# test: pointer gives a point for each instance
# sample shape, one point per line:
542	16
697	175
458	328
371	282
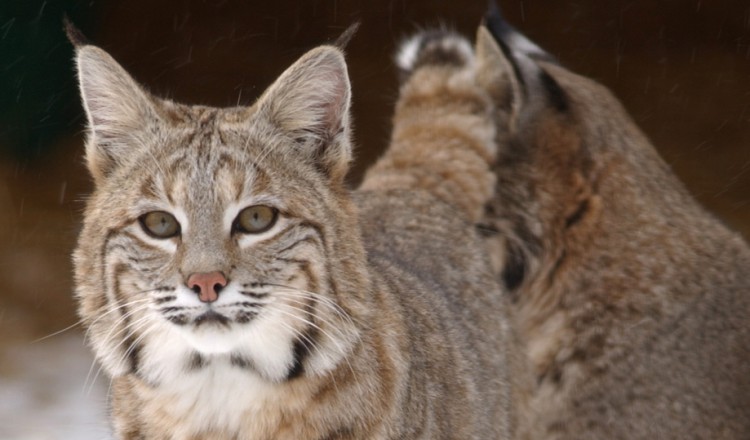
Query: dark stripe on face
196	362
245	316
253	290
180	319
120	299
133	353
303	240
164	299
316	227
304	267
240	362
303	346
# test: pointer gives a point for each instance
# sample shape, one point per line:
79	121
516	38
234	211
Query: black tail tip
74	34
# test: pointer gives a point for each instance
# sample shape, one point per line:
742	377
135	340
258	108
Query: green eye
255	219
160	224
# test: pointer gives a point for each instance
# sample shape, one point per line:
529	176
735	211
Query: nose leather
207	285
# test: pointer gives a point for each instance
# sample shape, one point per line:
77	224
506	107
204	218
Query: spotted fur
364	315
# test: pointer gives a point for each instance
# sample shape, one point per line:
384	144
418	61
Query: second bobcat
633	300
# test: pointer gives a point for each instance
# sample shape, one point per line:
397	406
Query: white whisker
74	325
344	353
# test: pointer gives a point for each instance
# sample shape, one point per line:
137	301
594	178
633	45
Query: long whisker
141	305
112	334
328	335
144	331
81	321
319	298
118	307
133	327
72	326
309	313
314	346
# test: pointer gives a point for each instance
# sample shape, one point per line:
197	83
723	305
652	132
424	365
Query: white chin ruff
213	338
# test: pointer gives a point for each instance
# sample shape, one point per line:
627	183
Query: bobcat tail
433	47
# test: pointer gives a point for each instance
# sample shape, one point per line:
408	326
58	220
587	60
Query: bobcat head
219	234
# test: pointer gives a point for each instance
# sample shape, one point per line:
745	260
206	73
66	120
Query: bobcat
633	301
234	288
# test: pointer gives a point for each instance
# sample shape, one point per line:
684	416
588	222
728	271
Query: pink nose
207	285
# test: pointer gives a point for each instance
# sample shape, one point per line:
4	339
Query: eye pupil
160	224
256	219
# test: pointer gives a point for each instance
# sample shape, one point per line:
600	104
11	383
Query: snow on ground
45	393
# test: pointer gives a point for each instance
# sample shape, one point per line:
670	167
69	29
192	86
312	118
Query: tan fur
390	326
633	300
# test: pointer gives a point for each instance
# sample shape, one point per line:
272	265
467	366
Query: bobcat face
221	254
212	233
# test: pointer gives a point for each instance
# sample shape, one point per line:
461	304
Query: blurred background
681	67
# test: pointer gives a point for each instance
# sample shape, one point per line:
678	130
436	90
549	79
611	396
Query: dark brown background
682	68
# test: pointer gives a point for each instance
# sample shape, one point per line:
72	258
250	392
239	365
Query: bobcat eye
255	219
159	224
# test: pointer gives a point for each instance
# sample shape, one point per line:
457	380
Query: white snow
44	394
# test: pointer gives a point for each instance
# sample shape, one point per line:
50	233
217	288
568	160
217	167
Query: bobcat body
233	288
632	299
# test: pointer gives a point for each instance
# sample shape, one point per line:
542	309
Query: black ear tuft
74	34
525	56
496	23
343	40
513	43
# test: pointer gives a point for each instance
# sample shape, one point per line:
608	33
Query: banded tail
443	139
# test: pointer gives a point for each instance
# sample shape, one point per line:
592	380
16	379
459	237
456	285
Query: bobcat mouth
211	317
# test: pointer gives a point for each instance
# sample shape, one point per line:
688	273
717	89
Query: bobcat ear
508	60
117	109
497	74
310	103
